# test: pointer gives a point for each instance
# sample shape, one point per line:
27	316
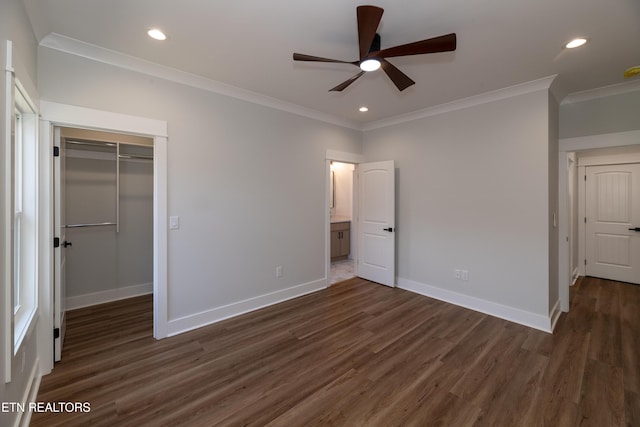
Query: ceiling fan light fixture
370	65
156	34
577	42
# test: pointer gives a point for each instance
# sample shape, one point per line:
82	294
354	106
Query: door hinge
585	177
56	151
585	219
56	242
585	261
56	333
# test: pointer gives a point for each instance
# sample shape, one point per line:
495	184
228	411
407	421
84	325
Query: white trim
198	320
30	395
160	238
526	318
88	118
554	315
117	59
610	159
582	226
72	116
327	222
601	92
45	258
6	213
564	225
616	139
472	101
86	300
344	157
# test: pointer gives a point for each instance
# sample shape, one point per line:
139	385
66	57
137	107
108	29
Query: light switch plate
174	222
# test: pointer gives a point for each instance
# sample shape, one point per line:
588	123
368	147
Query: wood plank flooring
353	355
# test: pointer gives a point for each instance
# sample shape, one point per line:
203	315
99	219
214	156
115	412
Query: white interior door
613	222
376	222
59	292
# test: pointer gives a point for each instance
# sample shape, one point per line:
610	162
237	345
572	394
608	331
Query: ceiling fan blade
444	43
400	79
302	57
342	86
368	20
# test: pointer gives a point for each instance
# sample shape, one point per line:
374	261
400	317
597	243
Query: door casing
54	114
566	146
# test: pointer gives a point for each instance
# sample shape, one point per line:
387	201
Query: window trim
25	218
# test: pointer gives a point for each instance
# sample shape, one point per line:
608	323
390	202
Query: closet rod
91	143
135	156
94	224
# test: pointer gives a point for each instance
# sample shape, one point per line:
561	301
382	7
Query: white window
25	215
17	206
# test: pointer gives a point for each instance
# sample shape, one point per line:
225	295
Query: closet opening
107	213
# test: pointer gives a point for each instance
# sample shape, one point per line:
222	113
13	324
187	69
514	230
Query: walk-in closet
108	193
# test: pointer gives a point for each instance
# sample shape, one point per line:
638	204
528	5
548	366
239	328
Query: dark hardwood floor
355	354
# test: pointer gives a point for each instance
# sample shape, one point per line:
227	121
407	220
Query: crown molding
601	92
96	53
483	98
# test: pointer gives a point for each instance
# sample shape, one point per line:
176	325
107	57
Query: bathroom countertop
338	218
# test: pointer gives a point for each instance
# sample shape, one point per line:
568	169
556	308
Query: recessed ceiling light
363	109
370	65
155	33
576	43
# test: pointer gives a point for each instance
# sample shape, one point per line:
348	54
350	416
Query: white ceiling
249	44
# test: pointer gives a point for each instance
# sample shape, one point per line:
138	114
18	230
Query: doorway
341	213
54	114
109	216
372	225
104	220
610	209
575	154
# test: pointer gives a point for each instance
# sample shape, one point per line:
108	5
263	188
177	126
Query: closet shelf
93	224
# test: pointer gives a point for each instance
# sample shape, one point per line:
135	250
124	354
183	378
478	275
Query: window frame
25	215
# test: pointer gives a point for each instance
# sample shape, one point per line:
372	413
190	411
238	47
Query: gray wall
473	193
609	114
247	181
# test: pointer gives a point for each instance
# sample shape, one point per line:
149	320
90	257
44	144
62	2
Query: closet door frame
55	114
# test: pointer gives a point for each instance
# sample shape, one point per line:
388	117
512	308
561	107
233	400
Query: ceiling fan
372	58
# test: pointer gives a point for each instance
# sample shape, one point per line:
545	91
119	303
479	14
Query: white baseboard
574	276
556	311
516	315
198	320
87	300
30	394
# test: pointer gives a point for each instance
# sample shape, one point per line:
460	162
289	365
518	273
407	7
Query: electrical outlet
456	273
279	271
464	275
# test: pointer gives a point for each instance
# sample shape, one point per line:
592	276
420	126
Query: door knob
65	244
390	229
635	229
